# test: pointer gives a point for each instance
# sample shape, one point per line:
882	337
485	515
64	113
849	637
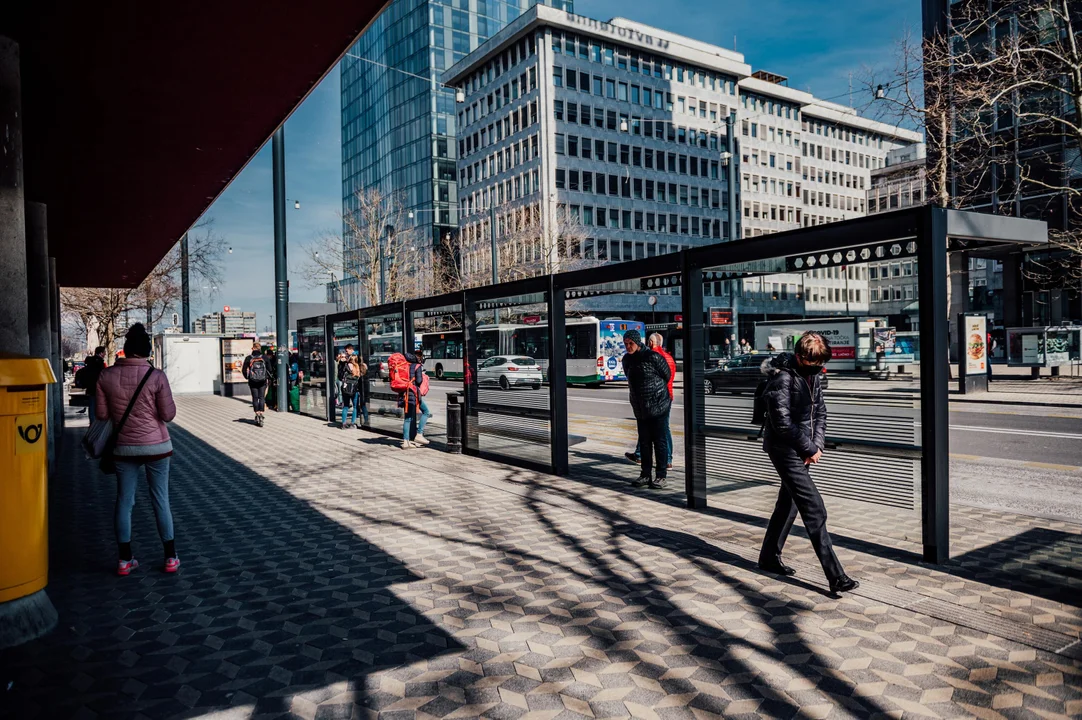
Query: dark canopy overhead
136	115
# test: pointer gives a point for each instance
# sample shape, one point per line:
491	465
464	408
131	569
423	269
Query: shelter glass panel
869	474
507	349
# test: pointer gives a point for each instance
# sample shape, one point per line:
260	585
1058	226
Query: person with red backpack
406	378
421	378
256	372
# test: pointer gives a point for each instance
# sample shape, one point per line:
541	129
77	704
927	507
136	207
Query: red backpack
399	370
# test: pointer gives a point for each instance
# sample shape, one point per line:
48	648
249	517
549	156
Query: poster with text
976	346
234	350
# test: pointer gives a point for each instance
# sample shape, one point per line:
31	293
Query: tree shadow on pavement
610	591
273	600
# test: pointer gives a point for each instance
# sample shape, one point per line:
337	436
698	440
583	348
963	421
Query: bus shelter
886	465
523	353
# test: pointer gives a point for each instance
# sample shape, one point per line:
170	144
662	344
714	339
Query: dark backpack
758	405
349	385
257	370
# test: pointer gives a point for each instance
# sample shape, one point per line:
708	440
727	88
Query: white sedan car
510	371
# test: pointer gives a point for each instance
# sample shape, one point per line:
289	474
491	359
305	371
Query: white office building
624	129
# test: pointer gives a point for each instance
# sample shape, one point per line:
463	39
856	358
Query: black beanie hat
633	336
137	341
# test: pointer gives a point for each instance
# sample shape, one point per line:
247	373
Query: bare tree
527	245
101	310
1028	72
377	231
1000	98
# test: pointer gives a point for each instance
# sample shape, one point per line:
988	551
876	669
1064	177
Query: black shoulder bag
107	463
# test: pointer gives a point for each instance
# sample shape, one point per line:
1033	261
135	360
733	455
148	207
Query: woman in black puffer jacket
648	384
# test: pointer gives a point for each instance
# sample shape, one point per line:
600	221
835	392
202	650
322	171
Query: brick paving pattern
327	574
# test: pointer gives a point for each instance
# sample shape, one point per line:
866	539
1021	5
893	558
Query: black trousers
653	444
259	393
798	494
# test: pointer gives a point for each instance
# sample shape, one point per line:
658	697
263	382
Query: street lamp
388	232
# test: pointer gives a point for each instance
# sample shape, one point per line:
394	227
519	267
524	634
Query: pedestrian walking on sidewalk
256	371
354	390
794	437
132	387
648	378
657	343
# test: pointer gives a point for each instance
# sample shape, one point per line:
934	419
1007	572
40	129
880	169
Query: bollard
454	423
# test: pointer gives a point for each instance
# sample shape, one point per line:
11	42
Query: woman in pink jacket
143	442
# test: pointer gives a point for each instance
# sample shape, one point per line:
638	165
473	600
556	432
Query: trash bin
24	530
454	423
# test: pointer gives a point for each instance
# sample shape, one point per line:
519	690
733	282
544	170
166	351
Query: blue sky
813	42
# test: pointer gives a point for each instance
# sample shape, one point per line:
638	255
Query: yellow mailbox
24	527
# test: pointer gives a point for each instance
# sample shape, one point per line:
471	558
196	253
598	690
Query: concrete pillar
1012	290
39	301
958	277
33	615
13	304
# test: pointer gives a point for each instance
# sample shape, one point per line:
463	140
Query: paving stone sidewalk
328	574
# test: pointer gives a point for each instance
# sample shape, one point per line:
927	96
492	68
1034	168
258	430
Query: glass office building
397	127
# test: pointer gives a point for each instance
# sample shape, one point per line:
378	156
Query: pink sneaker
171	564
124	567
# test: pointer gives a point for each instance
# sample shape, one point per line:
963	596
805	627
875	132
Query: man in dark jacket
795	435
657	343
88	375
648	378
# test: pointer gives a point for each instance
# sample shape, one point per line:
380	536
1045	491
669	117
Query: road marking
1007	431
1053	466
1018	463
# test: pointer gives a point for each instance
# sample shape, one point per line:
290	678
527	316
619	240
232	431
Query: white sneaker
406	444
420	440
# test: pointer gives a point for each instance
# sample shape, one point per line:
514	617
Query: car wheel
504	385
710	387
536	386
439	372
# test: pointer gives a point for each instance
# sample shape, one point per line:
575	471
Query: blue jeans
410	411
127	477
668	432
350	405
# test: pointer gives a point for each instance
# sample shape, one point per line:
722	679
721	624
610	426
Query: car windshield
523	361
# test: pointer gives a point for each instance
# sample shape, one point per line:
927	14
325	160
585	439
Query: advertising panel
611	346
234	350
721	317
782	335
1031	349
976	345
884	337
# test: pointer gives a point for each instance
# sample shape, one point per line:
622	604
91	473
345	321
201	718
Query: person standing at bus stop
648	391
657	343
794	437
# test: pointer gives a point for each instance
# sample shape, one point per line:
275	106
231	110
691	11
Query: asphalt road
1012	458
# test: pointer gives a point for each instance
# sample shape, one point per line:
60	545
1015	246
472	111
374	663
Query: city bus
595	348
